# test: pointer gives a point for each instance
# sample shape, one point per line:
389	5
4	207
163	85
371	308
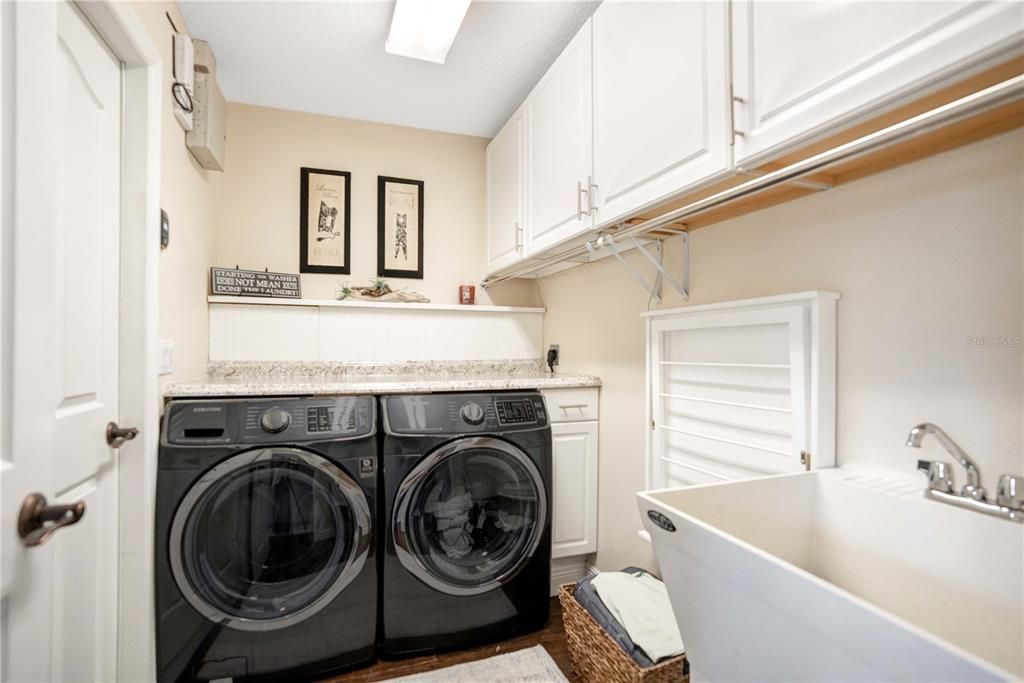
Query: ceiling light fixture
425	29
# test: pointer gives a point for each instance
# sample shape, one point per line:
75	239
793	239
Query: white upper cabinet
559	148
661	98
504	195
803	69
651	100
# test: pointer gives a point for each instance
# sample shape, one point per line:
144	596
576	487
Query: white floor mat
533	665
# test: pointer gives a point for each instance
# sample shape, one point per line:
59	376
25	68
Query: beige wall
186	194
924	256
248	215
258	205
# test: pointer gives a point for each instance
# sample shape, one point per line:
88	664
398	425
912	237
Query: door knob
37	521
116	436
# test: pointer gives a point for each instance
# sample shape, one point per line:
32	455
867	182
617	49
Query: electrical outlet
166	356
553	355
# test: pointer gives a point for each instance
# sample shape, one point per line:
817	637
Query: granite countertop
252	378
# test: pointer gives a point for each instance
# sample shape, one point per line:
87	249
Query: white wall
926	257
385	332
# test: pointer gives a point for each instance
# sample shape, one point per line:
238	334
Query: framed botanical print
324	215
399	227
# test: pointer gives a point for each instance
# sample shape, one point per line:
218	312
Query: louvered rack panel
741	389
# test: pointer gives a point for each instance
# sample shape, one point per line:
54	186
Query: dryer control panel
464	413
256	421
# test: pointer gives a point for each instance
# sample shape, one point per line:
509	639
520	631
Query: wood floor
552	637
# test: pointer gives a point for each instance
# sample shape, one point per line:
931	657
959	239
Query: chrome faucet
973	487
1009	502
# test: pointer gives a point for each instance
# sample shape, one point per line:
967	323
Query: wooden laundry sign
235	282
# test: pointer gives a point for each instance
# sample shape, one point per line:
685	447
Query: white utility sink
839	575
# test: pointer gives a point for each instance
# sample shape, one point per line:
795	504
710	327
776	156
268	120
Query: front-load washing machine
467	548
266	562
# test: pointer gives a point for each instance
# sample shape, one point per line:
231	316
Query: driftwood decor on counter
379	290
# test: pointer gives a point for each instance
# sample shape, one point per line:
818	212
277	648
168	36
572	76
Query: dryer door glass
269	537
470	516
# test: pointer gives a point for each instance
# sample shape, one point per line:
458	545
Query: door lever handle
116	436
37	521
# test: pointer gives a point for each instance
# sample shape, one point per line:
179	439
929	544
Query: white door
661	98
505	196
803	68
574	494
559	148
61	338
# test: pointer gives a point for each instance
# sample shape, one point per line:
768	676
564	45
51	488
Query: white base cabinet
574	523
574	438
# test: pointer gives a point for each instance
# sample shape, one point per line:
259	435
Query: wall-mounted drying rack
989	98
608	241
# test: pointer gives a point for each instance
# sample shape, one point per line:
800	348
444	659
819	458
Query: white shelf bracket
605	241
654	289
682	287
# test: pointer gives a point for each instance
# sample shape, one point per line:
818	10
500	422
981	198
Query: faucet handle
1010	492
940	475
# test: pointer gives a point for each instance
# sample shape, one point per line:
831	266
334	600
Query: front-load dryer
467	546
266	563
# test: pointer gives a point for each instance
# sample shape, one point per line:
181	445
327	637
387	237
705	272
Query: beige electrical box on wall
208	138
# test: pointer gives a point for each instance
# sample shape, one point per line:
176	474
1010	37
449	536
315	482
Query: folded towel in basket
586	595
640	603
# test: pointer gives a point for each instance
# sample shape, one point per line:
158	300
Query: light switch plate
166	356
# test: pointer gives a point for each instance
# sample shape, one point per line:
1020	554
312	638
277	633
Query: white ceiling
328	58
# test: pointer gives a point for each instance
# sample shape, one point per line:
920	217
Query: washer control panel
269	420
464	413
515	411
326	419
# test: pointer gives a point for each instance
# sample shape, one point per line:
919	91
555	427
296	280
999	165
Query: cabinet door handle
734	100
519	237
570	406
591	189
580	191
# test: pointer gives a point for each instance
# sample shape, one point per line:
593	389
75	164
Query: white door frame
139	362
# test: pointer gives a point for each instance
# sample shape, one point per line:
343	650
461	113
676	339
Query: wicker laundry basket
596	658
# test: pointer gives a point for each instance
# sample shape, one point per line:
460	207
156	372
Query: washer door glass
268	537
470	515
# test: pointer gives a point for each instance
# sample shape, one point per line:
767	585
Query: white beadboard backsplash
337	331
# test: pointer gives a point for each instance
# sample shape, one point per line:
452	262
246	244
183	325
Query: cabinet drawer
571	405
